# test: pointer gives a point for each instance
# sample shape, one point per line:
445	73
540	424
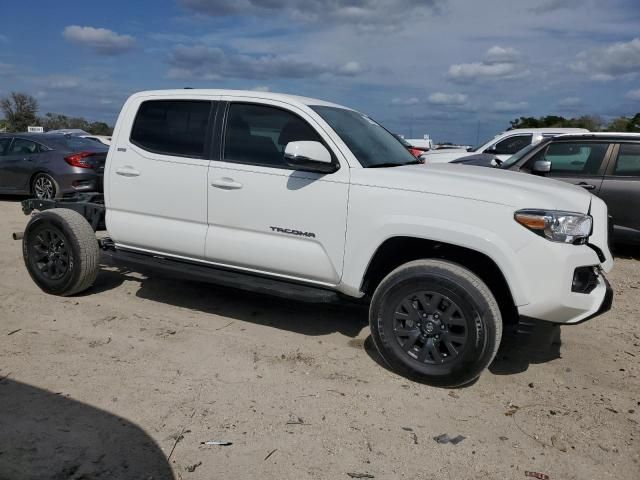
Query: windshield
371	143
477	147
513	159
78	144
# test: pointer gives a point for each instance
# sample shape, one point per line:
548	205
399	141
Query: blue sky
456	69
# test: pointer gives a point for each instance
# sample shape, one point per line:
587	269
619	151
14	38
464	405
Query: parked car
313	201
606	164
50	165
103	139
416	152
502	146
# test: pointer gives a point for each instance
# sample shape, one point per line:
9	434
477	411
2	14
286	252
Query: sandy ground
129	379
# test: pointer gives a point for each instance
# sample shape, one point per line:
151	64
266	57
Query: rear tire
60	251
436	322
44	187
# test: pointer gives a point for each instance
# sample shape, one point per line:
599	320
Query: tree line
590	122
21	111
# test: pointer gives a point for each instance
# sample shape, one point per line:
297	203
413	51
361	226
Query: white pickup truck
314	201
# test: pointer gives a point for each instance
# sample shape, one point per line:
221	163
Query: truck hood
444	156
492	185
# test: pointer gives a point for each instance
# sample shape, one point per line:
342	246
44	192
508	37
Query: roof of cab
284	97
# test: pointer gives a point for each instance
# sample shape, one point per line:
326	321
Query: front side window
512	145
23	147
628	163
4	145
258	134
371	143
576	158
172	127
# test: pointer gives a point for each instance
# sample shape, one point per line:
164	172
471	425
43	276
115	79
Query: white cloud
570	102
405	101
6	68
101	40
549	6
498	63
614	60
261	88
509	107
201	62
440	98
633	94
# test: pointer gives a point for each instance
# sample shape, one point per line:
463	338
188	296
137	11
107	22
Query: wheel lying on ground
61	252
436	322
44	187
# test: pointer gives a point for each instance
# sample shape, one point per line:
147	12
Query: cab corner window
569	158
258	134
172	127
628	163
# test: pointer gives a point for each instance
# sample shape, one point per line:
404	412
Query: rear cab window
172	127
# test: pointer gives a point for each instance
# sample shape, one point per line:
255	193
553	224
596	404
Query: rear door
156	188
265	216
18	164
5	142
621	189
578	162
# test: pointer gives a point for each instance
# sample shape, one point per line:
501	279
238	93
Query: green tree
19	111
100	128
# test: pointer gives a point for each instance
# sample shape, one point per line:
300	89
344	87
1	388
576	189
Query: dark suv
606	164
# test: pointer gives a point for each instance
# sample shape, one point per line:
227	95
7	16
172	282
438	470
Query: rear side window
576	158
24	147
512	145
172	127
628	163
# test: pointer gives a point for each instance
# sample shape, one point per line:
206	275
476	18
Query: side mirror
309	156
541	166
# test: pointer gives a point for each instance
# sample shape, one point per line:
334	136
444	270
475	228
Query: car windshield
370	142
477	147
513	159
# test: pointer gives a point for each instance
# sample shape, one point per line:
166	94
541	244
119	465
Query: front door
265	216
578	162
621	191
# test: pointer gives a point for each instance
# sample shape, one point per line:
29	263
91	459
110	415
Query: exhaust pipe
17	235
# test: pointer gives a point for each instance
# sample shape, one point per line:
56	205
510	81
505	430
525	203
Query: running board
228	278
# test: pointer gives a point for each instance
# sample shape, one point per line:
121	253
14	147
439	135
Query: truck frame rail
89	205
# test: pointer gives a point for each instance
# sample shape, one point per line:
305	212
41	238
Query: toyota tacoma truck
314	201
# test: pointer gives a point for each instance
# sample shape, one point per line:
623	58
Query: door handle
226	183
128	172
587	186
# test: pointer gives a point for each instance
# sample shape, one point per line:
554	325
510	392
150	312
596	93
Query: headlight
557	226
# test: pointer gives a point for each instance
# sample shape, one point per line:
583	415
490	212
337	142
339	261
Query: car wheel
44	187
61	252
436	322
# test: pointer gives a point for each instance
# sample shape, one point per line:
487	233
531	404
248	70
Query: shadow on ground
305	318
45	435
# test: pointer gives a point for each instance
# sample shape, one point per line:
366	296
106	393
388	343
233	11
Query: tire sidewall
44	221
480	324
56	188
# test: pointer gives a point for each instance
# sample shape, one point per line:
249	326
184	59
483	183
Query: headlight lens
557	226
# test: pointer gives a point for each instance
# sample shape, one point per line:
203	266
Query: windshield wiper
391	164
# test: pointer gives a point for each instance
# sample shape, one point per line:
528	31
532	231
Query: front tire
436	322
60	251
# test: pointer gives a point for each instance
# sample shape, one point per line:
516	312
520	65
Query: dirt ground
130	379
